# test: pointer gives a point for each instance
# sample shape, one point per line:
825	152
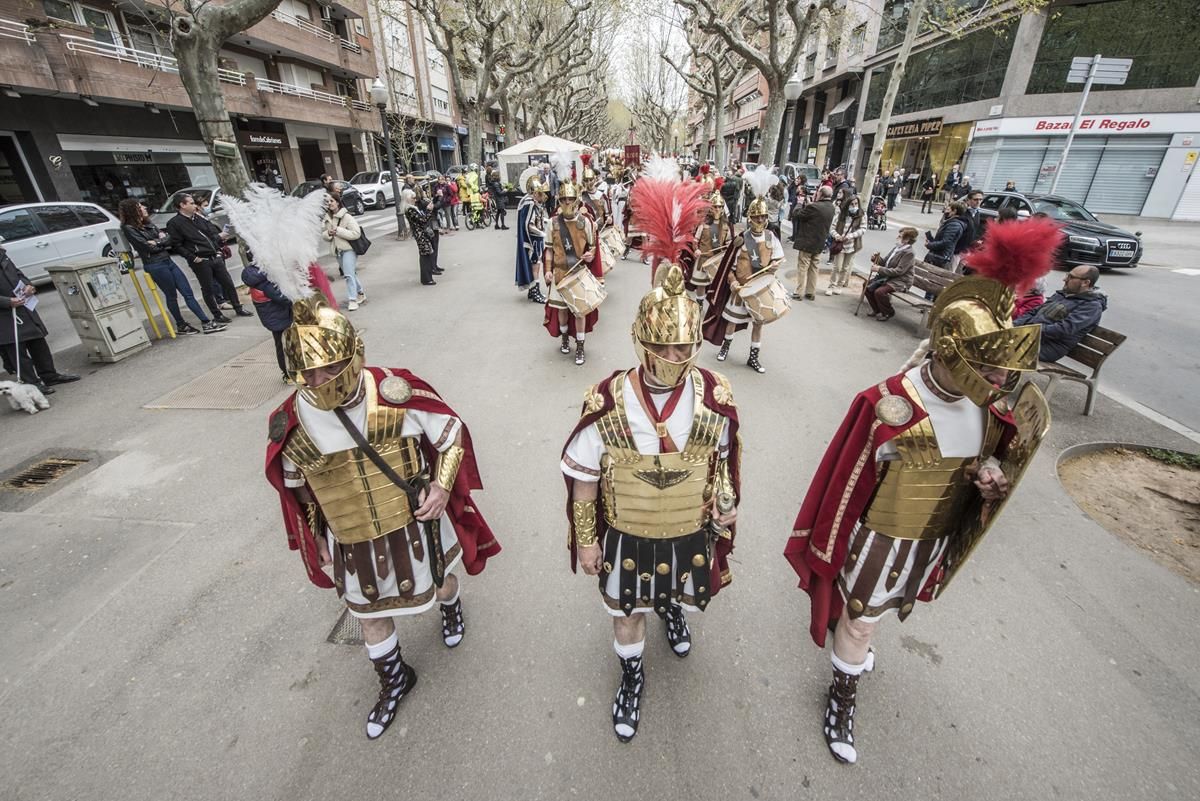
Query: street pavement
162	642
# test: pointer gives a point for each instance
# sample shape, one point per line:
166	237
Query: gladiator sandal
535	294
579	356
839	717
564	346
396	679
724	352
453	627
678	633
754	362
627	704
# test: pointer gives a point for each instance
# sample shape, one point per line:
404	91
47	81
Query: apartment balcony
80	65
282	33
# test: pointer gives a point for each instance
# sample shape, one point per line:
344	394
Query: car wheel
107	252
380	203
359	207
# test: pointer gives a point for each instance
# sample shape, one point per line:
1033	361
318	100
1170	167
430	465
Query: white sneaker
837	290
352	305
829	291
362	299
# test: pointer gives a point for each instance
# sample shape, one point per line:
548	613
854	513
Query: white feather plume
562	162
761	180
283	231
661	169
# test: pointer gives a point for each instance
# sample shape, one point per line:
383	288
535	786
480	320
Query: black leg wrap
839	717
679	636
453	627
396	680
627	705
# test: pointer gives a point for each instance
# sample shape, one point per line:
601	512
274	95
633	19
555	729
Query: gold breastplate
658	496
359	502
922	494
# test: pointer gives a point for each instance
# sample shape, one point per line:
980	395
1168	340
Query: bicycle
481	214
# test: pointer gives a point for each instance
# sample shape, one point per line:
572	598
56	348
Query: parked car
216	214
38	235
810	171
352	199
455	170
374	187
1089	241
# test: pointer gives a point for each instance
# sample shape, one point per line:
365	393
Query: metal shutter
1189	204
1121	185
1019	161
977	165
1077	175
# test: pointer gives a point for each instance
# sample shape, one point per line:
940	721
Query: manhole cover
246	381
346	631
41	474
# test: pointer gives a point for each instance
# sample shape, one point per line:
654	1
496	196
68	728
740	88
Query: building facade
92	107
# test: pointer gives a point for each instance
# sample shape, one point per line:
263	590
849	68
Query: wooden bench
1092	352
926	279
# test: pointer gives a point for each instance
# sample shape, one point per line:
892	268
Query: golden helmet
971	328
718	204
318	337
667	316
756	215
535	184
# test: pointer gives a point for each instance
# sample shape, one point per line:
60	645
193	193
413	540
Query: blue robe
529	248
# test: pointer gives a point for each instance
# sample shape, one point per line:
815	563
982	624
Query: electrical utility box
100	309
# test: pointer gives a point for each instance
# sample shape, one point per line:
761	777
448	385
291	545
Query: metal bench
1092	352
926	279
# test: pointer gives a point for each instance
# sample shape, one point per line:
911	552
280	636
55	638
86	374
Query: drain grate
346	631
43	473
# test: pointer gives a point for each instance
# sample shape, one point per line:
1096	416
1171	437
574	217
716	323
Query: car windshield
198	195
305	188
1062	209
365	178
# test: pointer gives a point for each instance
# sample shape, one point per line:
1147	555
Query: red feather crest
718	182
586	158
668	212
1017	253
704	168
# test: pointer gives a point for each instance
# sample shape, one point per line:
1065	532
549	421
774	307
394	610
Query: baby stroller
877	214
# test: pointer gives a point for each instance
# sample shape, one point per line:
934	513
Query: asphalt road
161	642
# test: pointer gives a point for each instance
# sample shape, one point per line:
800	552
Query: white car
37	235
375	188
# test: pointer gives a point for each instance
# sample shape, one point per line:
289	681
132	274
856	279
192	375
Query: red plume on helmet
668	211
718	182
1017	253
586	158
704	168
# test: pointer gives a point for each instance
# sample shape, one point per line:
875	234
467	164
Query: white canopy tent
512	160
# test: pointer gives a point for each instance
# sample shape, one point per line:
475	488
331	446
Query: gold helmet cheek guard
666	372
666	316
1012	349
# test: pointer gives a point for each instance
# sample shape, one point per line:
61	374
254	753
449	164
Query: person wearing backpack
342	230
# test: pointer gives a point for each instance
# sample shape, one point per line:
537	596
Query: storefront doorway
311	162
16	184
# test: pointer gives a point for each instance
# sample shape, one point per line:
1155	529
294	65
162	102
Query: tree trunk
719	127
474	135
776	105
915	14
197	55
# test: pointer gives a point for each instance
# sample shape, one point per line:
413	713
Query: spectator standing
893	273
151	246
1010	186
962	189
22	332
810	229
776	201
340	230
202	208
1069	314
198	243
940	248
952	181
424	230
455	200
495	188
273	308
848	231
978	223
891	186
551	177
928	190
731	193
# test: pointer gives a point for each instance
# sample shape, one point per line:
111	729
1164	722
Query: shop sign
1101	124
260	139
132	158
908	130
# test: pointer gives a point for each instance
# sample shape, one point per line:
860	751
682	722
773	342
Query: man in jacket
22	332
731	193
1069	314
195	240
943	246
894	273
810	228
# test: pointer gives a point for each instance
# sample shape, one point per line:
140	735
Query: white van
40	234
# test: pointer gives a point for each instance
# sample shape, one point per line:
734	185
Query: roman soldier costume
531	233
747	276
652	467
374	471
594	201
915	476
571	247
712	240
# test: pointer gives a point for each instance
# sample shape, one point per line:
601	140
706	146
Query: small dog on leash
24	396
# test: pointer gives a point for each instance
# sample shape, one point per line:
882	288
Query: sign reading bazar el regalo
1102	124
908	130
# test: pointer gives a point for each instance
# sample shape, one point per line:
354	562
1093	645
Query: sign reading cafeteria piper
907	130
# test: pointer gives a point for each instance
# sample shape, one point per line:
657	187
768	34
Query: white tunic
328	434
582	459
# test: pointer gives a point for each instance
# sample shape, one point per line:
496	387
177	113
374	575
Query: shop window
17	224
57	218
1164	55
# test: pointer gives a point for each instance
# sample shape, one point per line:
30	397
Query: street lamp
791	91
379	96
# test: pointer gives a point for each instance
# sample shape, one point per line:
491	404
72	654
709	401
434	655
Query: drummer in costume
531	233
594	201
756	257
712	240
571	245
374	471
923	464
652	467
634	237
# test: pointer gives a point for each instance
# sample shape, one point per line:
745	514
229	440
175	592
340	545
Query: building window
892	22
858	40
1164	55
831	52
102	23
810	65
949	73
441	100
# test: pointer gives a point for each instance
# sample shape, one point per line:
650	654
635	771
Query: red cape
838	496
714	325
474	535
720	558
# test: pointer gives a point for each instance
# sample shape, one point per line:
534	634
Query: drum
581	291
612	247
765	298
706	268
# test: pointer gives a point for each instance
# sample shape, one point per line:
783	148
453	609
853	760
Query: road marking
1157	417
1186	271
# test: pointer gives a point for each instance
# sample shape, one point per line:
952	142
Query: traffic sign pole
1110	71
1062	160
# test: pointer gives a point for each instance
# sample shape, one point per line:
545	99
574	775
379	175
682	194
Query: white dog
24	396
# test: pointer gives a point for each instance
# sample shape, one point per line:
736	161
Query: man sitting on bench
1069	314
893	273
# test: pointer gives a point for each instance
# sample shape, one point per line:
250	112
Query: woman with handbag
421	218
341	230
847	239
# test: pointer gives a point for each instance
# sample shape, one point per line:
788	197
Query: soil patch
1151	503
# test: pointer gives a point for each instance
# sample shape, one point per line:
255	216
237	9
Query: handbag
835	247
361	244
226	252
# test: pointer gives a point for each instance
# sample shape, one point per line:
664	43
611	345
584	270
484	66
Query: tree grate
346	631
41	474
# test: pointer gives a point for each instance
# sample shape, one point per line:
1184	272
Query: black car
351	198
1089	241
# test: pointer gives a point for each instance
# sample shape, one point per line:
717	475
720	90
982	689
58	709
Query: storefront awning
842	115
446	143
